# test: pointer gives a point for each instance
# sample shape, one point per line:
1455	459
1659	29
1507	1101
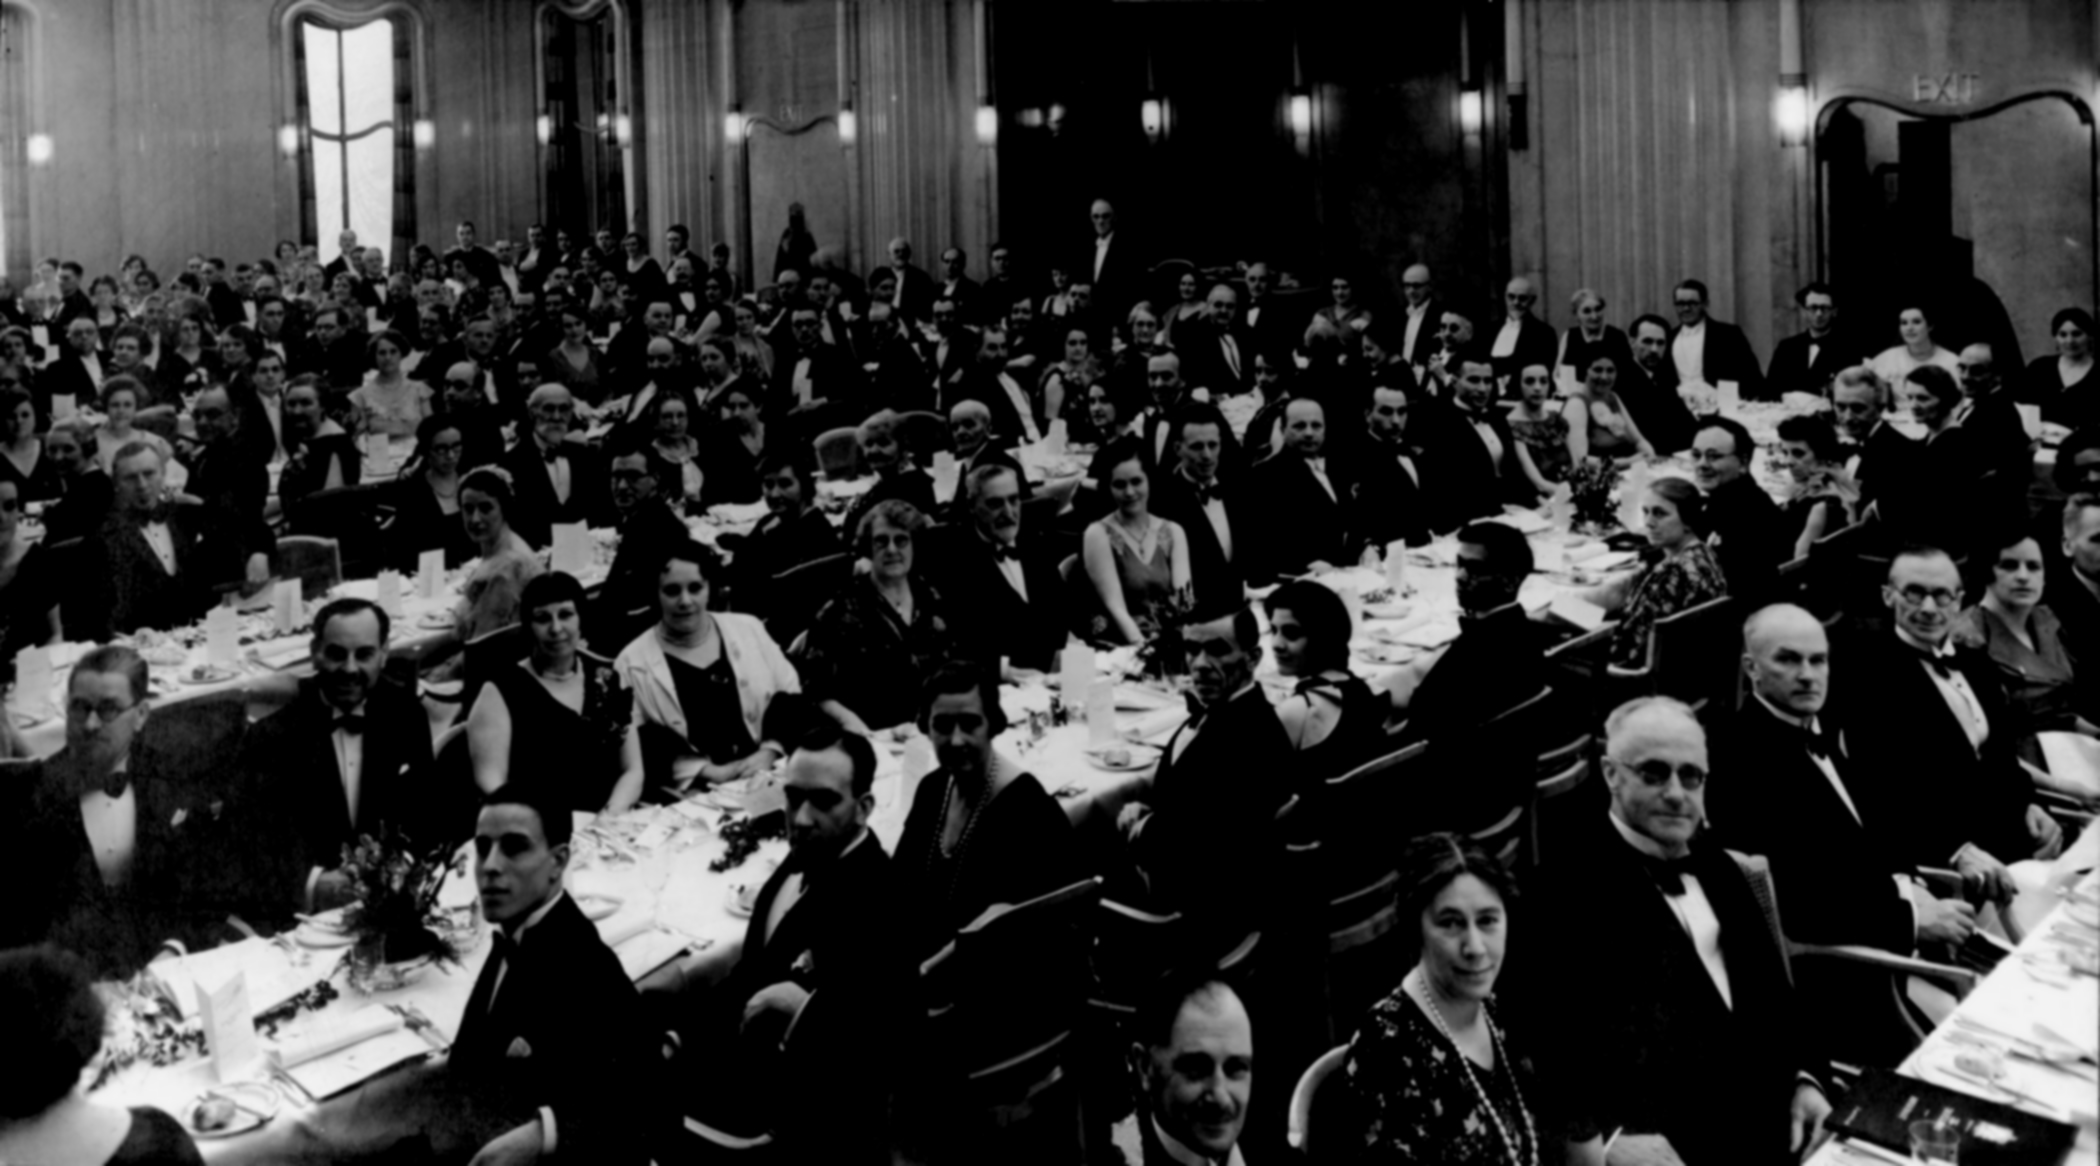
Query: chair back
1561	770
1698	653
1132	948
924	433
1356	874
316	562
838	452
351	515
195	742
795	595
1506	838
1307	1095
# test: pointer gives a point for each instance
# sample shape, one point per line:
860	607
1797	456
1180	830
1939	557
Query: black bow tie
1940	665
1202	493
350	723
1006	551
1669	872
1819	744
116	783
549	453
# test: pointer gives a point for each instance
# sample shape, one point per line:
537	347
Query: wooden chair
838	452
1505	839
316	562
1758	871
924	433
1307	1095
354	516
794	597
1693	655
1561	770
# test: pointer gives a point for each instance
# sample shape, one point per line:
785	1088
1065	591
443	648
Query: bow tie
1006	551
116	783
1317	464
1819	744
1202	493
1669	872
548	454
350	723
1940	665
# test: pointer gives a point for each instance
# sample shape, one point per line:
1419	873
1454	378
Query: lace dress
1412	1099
1547	439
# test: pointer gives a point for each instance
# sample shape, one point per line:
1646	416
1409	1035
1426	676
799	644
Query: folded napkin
648	951
737	512
1583	553
1527	521
1144	698
1434	633
620	928
1155	727
334	1033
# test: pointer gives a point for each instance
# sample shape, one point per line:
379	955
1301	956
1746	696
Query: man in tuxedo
1391	499
814	381
1476	465
559	478
1709	351
956	284
818	953
228	306
79	370
953	348
1211	509
1004	287
914	293
475	345
1203	838
1194	1052
347	758
1154	423
111	857
229	471
1454	336
1936	737
535	261
1649	388
1301	500
976	445
553	1043
1879	457
1264	326
153	565
1218	356
1808	361
1702	1047
1112	266
1418	337
1013	413
1523	339
1788	789
335	354
1003	589
626	604
1995	436
480	263
1745	527
345	257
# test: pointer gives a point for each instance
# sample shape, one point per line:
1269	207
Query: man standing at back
1112	264
1523	339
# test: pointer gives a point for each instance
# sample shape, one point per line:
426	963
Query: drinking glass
1935	1144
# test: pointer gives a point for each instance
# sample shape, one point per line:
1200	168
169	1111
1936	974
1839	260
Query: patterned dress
1677	580
1547	439
860	653
1411	1098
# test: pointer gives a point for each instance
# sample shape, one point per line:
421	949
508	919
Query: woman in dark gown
863	659
561	712
1333	718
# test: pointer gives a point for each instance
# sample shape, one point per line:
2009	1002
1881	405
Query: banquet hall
902	581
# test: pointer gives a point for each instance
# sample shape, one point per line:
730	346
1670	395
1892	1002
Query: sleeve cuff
547	1138
313	879
1804	1077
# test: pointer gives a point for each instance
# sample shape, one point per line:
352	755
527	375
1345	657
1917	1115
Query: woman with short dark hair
1825	499
1333	718
2062	384
54	1024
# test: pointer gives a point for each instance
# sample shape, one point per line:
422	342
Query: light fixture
1471	112
1054	118
1301	114
543	125
38	148
604	121
1032	117
849	126
733	126
288	139
426	133
1790	110
987	125
623	130
1153	116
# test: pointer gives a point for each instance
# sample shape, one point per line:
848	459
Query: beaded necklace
1502	1061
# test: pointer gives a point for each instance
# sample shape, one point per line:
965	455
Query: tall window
349	82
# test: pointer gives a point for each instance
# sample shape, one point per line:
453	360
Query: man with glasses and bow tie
110	858
348	757
559	479
1789	788
1664	1002
1936	738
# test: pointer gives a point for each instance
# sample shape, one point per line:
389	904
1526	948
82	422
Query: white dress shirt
1506	339
112	830
1492	440
162	540
350	762
805	391
93	365
1318	466
1220	521
1101	252
1232	353
1954	688
273	408
1019	398
1415	316
558	473
1692	911
1688	353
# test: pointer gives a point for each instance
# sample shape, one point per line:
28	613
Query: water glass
1934	1143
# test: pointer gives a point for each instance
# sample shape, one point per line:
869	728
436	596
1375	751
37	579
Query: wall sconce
543	127
38	148
849	126
987	125
604	122
1153	116
1300	114
425	132
288	140
623	130
1032	117
1790	110
1471	110
733	126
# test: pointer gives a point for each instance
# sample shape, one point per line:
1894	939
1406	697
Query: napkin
648	951
347	1050
737	513
572	547
619	928
333	1034
1527	521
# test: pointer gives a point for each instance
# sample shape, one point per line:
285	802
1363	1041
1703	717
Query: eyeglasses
1939	597
446	446
1691	303
629	476
105	711
945	723
456	384
1414	285
1656	774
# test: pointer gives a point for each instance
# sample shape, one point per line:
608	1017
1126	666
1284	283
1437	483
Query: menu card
285	605
430	569
379	455
389	599
229	1029
222	637
337	1052
1101	713
947	475
572	547
63	407
34	677
1076	674
1396	565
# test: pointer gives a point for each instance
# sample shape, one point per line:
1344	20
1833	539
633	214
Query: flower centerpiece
394	914
1590	489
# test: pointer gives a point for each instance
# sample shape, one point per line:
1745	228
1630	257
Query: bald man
914	290
1785	787
1522	338
1194	1054
1687	1030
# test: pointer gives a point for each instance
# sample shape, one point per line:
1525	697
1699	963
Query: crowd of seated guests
576	380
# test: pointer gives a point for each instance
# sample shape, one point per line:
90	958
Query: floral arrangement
395	887
608	708
144	1024
1590	488
741	837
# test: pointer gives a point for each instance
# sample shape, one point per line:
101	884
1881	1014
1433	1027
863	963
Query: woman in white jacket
709	687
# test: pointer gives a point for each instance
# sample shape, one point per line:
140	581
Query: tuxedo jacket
1387	502
184	881
1926	788
1210	845
1475	778
567	1032
1792	371
1470	482
1750	537
126	588
982	384
227	306
1661	1051
1888	464
537	507
1220	583
952	366
1120	282
1296	522
1276	331
989	617
233	480
1727	357
82	509
1662	415
290	762
1204	364
1833	871
919	291
69	376
1537	343
625	605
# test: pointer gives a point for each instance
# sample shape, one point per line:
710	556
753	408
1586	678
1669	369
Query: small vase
371	971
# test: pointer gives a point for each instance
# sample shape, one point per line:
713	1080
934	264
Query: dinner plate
2083	912
255	1103
597	906
435	621
742	899
1389	610
208	674
1135	757
27	720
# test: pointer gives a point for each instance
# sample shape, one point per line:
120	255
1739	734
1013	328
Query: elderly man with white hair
559	478
1667	1016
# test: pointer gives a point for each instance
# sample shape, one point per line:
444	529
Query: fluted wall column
680	119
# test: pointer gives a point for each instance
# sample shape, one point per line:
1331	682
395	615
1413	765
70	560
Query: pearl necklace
1531	1137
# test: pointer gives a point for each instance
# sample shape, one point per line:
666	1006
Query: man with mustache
1005	591
1195	1061
153	565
